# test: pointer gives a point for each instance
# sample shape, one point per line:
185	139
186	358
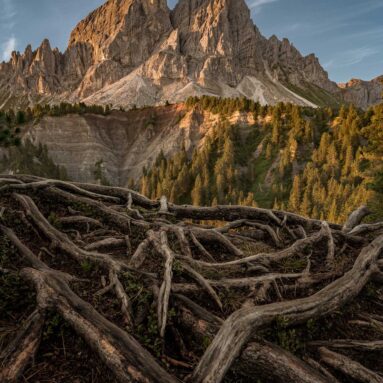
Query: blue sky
346	35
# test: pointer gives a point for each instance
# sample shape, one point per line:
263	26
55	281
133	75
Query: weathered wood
166	286
106	244
351	343
234	213
125	357
239	262
79	220
235	282
212	235
297	248
62	241
22	349
366	228
349	367
17	187
262	359
330	245
259	359
356	218
239	327
203	283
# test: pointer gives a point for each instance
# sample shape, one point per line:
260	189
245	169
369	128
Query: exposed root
123	297
119	351
164	293
350	343
140	254
106	244
239	327
272	362
201	248
330	244
355	218
60	184
349	367
212	235
186	292
291	251
313	363
79	220
203	283
366	228
23	348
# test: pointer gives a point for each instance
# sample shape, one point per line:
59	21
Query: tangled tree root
188	300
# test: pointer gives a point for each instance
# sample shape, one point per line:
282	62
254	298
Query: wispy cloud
256	5
328	64
8	47
336	21
7	23
351	57
8	12
374	33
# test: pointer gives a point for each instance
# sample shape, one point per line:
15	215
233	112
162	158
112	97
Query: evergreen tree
197	192
295	196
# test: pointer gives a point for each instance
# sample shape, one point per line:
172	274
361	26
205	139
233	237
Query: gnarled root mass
163	293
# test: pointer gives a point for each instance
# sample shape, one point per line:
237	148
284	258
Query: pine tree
275	132
306	205
295	196
197	192
346	170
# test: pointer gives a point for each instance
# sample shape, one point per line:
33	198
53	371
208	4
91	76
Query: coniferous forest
322	163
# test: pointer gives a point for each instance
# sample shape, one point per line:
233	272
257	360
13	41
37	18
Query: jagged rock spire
200	47
124	30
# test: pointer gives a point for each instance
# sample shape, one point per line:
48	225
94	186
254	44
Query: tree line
321	163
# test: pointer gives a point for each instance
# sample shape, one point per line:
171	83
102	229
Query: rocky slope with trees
320	163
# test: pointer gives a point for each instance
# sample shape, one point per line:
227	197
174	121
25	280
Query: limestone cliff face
363	93
138	52
42	75
219	40
125	141
288	65
125	31
122	35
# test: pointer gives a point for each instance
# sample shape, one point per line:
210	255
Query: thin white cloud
8	47
8	10
336	21
329	64
256	5
355	56
351	57
7	24
371	33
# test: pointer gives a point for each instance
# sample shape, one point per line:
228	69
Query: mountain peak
108	29
218	34
138	52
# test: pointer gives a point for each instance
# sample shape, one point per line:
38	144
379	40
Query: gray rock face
124	141
138	52
219	40
363	93
288	65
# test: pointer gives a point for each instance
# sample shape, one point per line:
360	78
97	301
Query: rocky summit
139	52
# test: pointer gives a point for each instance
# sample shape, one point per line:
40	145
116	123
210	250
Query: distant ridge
139	52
